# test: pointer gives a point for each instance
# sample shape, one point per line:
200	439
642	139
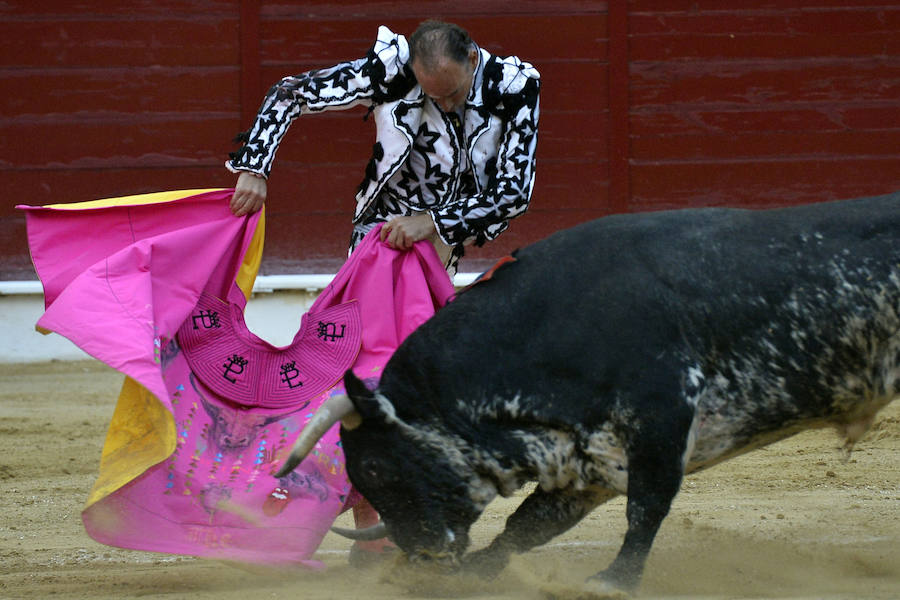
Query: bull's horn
336	408
369	534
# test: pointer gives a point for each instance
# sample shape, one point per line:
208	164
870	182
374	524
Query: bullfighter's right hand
249	194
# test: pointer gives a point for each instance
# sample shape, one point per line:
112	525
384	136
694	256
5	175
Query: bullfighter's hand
401	233
249	194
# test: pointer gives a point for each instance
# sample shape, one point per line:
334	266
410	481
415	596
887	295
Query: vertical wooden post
249	56
619	134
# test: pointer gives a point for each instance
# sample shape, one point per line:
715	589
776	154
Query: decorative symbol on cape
206	319
290	375
329	331
242	368
234	365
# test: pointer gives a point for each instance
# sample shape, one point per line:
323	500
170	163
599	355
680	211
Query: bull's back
628	279
626	297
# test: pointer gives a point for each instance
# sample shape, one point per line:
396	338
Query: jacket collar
474	97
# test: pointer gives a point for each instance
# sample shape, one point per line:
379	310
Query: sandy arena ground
793	520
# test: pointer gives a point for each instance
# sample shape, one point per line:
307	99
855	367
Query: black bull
616	356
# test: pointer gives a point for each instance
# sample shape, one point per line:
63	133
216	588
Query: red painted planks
102	42
575	135
753	103
308	187
574	87
567	185
764	104
51	186
328	138
700	119
786	22
719	8
15	261
150	140
765	82
618	99
118	91
305	242
809	144
351	10
759	183
249	58
321	42
726	45
141	10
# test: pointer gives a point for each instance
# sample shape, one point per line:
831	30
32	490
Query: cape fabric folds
155	286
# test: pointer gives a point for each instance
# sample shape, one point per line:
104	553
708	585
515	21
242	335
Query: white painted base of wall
274	317
19	342
273	313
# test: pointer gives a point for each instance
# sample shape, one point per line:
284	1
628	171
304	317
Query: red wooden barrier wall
646	105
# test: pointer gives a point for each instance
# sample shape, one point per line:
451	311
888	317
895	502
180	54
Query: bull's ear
364	400
355	387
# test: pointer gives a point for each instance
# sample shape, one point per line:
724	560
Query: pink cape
156	289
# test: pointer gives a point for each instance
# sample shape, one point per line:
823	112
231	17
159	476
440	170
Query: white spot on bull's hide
551	453
691	439
555	458
511	407
695	380
608	463
840	341
459	455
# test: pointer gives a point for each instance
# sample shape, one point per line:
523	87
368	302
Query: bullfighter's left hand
401	233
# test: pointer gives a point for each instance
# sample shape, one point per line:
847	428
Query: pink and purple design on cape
157	290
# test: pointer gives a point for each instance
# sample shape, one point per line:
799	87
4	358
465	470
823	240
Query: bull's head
419	483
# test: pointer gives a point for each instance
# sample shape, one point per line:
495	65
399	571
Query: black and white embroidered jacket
472	181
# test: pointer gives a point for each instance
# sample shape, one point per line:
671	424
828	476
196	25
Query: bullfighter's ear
364	400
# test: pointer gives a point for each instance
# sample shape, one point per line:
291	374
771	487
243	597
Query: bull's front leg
540	518
653	483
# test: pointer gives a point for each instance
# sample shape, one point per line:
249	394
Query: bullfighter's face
447	82
423	497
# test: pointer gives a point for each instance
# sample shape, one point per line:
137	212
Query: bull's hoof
484	563
592	589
